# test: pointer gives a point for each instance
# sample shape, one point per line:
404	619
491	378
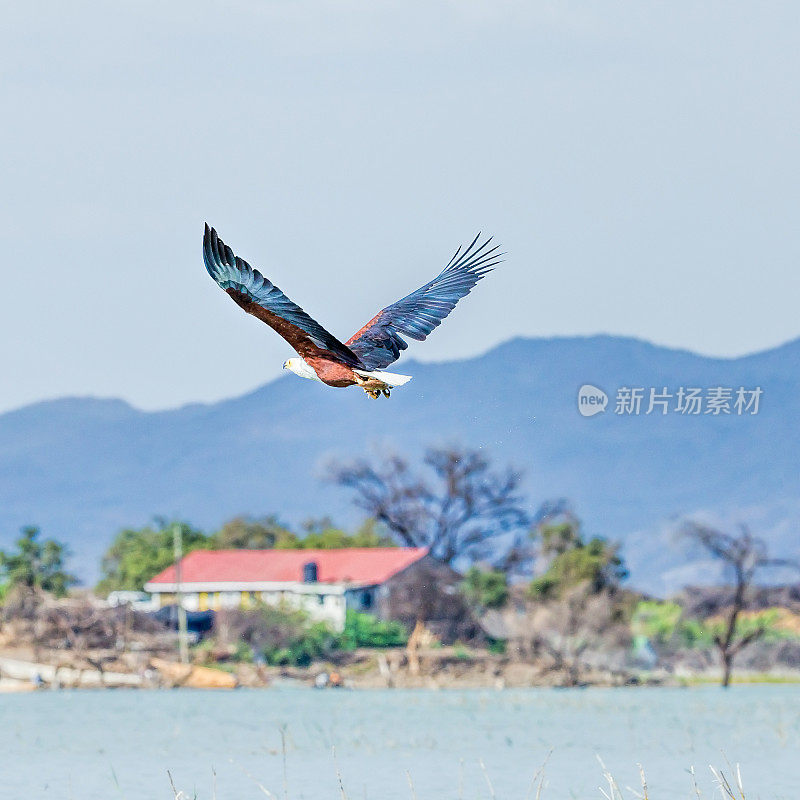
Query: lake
90	745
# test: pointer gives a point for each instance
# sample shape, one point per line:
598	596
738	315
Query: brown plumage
374	346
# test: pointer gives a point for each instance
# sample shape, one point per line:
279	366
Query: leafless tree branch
461	509
745	555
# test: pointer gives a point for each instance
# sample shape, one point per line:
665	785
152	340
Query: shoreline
373	671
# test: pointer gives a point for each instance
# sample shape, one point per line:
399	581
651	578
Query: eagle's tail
389	378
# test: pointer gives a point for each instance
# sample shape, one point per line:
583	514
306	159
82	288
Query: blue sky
638	161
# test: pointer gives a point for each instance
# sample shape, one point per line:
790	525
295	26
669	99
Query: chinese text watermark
685	400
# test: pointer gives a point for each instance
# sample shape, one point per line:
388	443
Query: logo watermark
688	401
591	400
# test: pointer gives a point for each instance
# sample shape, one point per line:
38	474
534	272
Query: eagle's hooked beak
286	365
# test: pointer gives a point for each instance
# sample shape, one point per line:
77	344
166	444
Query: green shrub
749	624
285	636
243	652
308	644
543	587
364	630
460	652
497	647
575	561
694	633
656	620
280	635
485	588
663	622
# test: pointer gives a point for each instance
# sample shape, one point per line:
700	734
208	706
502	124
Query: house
324	583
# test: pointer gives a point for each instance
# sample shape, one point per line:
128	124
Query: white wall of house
321	601
321	606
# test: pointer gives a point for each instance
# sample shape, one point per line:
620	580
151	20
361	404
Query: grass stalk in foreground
729	788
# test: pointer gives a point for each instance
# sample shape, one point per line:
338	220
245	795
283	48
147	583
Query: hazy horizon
405	359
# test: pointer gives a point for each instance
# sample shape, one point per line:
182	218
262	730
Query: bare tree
462	509
575	631
744	555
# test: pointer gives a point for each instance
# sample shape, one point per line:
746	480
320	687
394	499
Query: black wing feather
234	273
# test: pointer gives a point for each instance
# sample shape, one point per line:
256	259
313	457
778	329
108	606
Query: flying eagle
358	361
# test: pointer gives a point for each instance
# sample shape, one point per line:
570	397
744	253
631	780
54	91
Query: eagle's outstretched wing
379	342
261	298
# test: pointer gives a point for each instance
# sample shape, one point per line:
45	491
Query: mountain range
82	468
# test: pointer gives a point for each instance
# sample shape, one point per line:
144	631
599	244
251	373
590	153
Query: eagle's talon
386	392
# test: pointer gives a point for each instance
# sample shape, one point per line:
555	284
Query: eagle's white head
299	367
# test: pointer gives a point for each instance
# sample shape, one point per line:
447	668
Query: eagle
360	360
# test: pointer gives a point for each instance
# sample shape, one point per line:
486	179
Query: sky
638	162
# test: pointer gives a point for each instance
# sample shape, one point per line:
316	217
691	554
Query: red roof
364	565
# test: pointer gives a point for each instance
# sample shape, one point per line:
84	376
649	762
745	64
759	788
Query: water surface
105	744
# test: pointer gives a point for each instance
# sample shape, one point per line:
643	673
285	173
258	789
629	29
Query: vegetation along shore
449	582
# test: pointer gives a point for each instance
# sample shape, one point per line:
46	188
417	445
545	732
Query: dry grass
728	785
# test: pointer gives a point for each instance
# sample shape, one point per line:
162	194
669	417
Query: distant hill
82	468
